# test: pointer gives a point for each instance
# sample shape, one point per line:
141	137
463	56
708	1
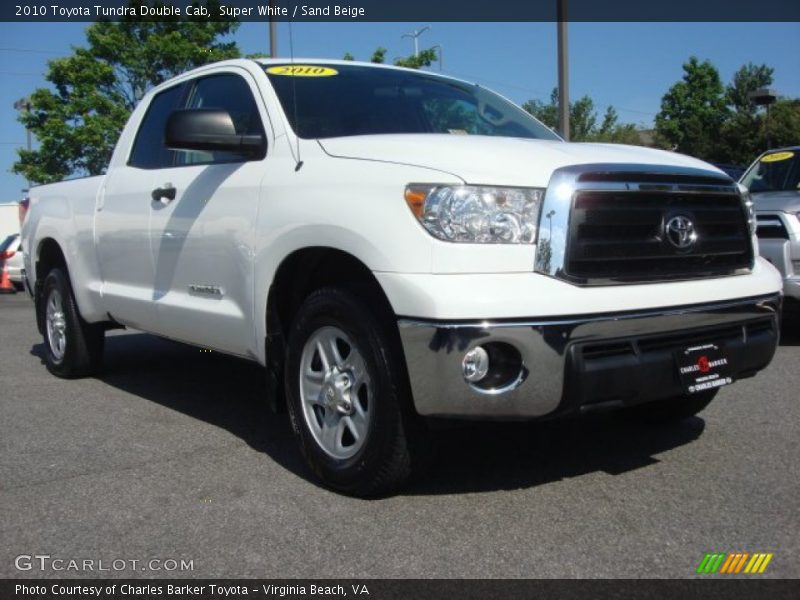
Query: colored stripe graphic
701	568
734	563
754	563
741	562
711	562
727	564
764	564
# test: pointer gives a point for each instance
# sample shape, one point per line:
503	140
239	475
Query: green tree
693	112
784	124
700	117
611	130
417	61
742	136
78	119
546	112
583	120
379	56
424	59
747	79
740	139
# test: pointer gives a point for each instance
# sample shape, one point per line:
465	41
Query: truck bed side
63	214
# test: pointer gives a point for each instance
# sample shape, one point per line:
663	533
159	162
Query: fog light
475	364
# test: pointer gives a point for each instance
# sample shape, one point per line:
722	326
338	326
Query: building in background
9	219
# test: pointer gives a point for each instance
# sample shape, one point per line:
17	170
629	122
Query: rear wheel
671	410
345	395
73	347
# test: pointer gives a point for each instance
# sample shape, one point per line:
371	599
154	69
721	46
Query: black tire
671	410
82	353
383	463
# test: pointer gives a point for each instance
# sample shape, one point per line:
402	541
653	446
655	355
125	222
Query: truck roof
263	62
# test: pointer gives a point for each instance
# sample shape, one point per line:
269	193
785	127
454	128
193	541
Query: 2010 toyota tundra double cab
395	245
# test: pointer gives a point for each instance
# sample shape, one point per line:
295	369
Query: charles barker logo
704	365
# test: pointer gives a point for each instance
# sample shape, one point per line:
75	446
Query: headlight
477	214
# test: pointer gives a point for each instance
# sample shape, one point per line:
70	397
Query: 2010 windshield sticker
302	71
777	156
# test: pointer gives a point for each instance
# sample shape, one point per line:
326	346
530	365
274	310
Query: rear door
202	241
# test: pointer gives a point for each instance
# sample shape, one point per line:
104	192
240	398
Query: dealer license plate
703	368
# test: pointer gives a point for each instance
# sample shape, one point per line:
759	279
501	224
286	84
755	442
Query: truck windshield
323	101
774	172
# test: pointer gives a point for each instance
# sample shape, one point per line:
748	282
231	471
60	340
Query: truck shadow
506	456
790	328
231	393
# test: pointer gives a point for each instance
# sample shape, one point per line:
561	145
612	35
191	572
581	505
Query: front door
202	228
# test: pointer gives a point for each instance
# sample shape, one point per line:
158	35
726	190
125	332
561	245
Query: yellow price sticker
777	156
302	71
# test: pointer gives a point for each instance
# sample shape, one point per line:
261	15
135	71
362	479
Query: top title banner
403	10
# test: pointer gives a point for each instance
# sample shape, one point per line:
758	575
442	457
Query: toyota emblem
680	232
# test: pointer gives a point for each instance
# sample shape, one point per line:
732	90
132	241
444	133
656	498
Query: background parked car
11	259
774	184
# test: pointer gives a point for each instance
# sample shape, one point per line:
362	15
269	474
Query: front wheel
671	410
72	347
345	395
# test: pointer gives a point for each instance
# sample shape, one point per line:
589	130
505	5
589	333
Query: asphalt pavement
172	454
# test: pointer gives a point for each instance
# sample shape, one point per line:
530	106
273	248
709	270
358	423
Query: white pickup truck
395	246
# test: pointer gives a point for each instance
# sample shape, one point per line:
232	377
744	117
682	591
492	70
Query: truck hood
496	160
787	201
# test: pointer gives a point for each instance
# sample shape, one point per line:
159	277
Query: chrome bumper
780	254
566	366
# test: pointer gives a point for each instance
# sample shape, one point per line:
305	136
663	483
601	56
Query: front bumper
15	274
578	364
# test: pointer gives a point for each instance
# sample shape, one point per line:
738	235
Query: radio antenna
294	99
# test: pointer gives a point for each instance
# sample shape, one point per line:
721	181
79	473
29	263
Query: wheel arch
299	274
48	255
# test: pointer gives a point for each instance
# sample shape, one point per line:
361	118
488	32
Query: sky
627	65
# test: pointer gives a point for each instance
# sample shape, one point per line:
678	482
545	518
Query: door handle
167	191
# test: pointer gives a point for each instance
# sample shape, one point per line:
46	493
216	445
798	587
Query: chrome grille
620	235
605	224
